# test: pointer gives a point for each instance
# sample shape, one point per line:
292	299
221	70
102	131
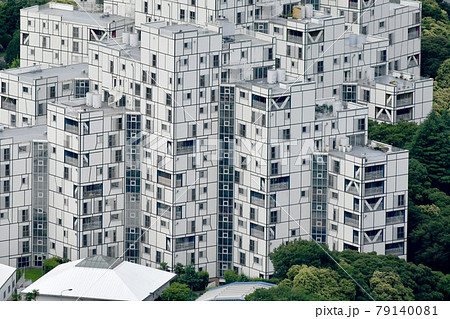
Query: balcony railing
71	128
395	220
279	186
182	150
257	233
164	181
92	225
374	175
394	251
295	38
374	191
354	222
259	105
404	117
184	246
257	201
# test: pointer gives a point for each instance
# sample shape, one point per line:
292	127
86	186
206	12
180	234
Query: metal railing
374	190
279	186
164	181
394	251
374	175
395	220
257	201
184	245
295	38
185	150
354	222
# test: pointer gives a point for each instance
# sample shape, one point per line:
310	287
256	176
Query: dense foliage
354	276
51	263
435	35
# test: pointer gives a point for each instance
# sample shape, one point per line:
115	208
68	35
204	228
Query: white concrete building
58	34
7	282
368	198
202	142
23	195
396	97
26	91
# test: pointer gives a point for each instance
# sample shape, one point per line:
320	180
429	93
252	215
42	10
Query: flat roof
25	134
67	72
79	106
125	49
80	16
368	152
236	291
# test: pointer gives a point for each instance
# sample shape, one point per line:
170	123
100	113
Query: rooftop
31	73
101	278
79	106
25	134
373	152
5	273
236	291
70	14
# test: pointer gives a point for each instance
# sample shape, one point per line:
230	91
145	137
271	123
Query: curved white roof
101	278
5	273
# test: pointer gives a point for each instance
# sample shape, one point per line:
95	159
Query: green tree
164	266
230	276
298	253
431	147
51	263
400	135
387	286
281	293
435	45
178	269
15	63
324	283
443	75
203	280
13	49
176	292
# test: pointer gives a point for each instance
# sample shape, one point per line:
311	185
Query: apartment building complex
26	91
58	34
203	142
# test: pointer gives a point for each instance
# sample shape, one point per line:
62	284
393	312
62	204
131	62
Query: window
366	95
76	32
242	258
381	24
400	200
182	14
76	47
320	67
273	217
400	232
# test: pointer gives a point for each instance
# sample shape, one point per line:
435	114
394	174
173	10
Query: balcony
164	181
374	175
257	201
374	191
259	105
184	245
394	251
404	117
257	233
354	222
295	38
92	225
